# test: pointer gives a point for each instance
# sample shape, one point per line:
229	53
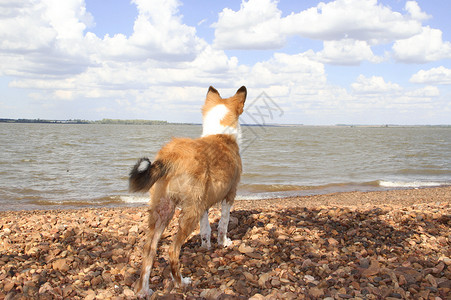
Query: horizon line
161	122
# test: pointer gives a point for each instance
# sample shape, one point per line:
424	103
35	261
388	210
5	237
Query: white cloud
142	83
348	28
51	38
426	92
46	25
363	20
258	24
415	11
44	38
346	52
255	26
439	75
374	85
213	60
424	47
294	82
160	33
55	57
201	22
374	93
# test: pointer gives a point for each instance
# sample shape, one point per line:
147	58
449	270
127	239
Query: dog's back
194	173
201	172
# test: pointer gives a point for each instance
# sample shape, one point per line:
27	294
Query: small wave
271	187
289	188
259	196
27	160
409	184
134	199
426	171
341	185
76	203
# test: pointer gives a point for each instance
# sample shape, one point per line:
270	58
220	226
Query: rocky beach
357	245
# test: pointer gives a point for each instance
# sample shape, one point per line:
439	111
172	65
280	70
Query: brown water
45	166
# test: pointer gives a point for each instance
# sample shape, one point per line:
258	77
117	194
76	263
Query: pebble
60	265
128	292
8	286
341	246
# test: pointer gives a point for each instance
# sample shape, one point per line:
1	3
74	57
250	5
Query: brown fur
197	173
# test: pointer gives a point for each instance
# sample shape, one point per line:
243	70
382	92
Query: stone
90	296
373	269
46	287
134	228
332	241
8	286
96	281
67	290
128	292
60	265
257	297
245	249
316	292
263	278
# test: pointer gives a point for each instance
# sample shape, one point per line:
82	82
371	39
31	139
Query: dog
194	175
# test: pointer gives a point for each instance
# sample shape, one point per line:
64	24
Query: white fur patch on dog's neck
212	123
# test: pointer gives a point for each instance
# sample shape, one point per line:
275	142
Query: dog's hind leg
205	231
188	221
160	215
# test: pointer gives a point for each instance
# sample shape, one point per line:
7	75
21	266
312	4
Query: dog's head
220	116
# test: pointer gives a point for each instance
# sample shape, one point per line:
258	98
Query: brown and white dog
192	174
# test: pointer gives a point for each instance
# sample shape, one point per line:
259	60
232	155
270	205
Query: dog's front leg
205	231
223	240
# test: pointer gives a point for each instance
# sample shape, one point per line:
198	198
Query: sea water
45	166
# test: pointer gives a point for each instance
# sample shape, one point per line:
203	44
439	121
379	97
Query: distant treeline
130	122
45	121
77	121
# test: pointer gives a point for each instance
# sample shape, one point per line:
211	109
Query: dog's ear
211	100
242	93
212	90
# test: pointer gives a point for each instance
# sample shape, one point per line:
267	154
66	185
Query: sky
303	62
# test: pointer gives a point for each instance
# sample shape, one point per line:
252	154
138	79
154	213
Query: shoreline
393	197
317	196
370	245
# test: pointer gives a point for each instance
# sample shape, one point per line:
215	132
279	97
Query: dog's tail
144	174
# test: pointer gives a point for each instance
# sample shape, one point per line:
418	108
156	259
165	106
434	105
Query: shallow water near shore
46	166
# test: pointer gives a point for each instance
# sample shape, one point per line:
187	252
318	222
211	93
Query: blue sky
330	62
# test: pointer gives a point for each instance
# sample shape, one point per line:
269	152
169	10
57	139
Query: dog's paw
144	293
226	243
206	245
186	281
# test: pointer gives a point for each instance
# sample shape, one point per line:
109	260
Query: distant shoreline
159	122
78	121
